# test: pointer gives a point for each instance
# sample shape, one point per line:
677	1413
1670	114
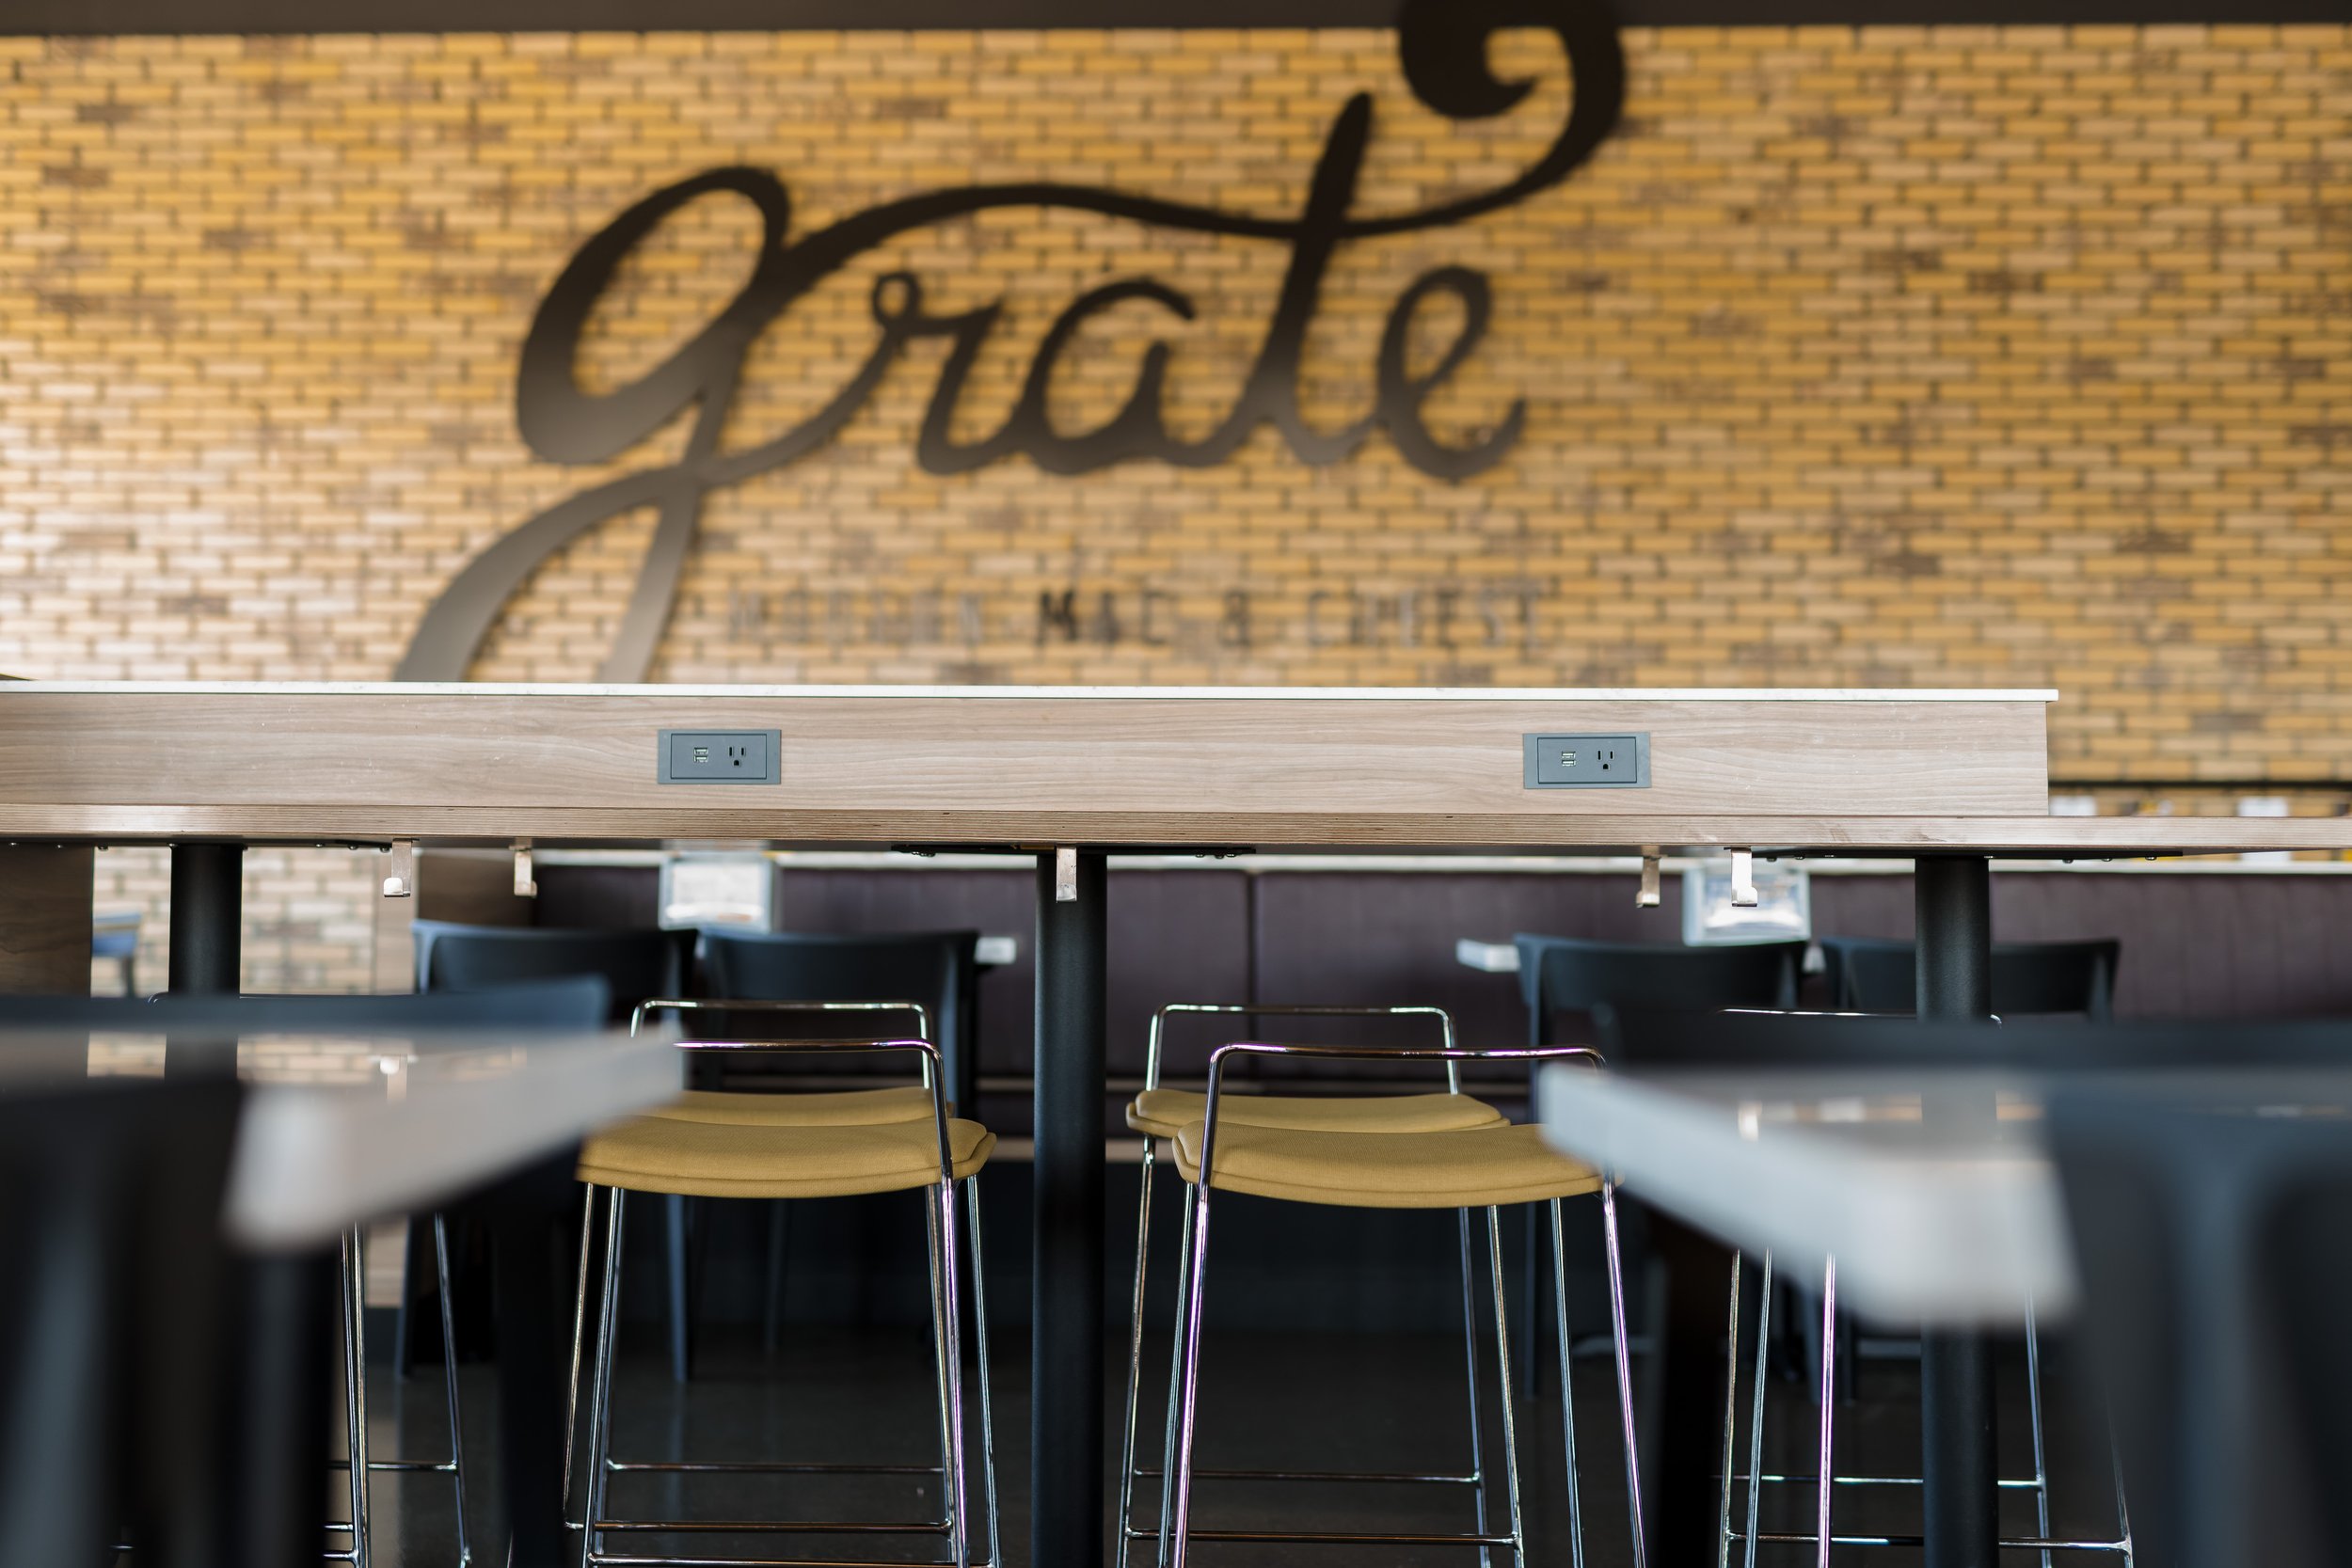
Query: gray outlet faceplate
720	756
1608	761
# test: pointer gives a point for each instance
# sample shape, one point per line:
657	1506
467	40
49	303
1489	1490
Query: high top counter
1946	777
1858	770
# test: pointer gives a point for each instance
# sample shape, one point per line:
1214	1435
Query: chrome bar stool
906	1102
1160	1114
1847	1039
359	1463
848	1107
1825	1479
1484	1167
706	1147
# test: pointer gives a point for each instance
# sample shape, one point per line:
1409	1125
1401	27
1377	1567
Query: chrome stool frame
588	1211
1129	1471
358	1465
1176	1534
1825	1478
947	1341
676	1208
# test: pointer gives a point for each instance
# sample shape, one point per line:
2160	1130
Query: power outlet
1588	761
720	756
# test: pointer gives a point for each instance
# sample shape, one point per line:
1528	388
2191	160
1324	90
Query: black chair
636	964
1568	974
938	969
1878	975
201	1033
2216	1253
128	1391
581	1001
1572	974
1667	1041
115	939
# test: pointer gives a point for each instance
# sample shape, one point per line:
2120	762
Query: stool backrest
1878	974
634	964
2215	1248
1569	975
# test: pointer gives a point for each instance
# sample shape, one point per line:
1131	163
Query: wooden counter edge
2037	836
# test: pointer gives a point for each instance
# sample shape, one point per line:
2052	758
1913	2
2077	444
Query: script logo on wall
1442	46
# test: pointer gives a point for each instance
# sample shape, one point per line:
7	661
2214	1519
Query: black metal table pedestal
207	914
1065	1522
1955	967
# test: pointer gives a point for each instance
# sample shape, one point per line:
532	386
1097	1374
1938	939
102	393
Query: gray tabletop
340	1129
1932	1219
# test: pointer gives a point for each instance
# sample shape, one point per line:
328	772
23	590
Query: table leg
1956	1416
1066	1316
528	1215
1681	1446
207	949
207	917
265	1468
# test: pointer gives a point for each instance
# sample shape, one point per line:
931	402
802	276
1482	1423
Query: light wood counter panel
45	917
2039	837
1299	766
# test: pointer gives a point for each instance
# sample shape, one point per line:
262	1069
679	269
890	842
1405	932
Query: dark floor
1327	1402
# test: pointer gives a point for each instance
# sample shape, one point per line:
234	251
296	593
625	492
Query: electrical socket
1588	761
720	756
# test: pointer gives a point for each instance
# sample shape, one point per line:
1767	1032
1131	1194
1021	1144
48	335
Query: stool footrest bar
2023	1484
2017	1543
1352	1538
607	1560
1382	1478
771	1526
763	1468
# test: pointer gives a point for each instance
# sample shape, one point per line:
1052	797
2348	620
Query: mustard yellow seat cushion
1164	1112
715	1159
1468	1169
845	1108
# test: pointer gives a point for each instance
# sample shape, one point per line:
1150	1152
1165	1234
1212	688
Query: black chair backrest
1570	975
2215	1248
636	964
938	969
1655	1038
581	1001
132	1390
1876	974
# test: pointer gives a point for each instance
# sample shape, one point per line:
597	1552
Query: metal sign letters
1442	46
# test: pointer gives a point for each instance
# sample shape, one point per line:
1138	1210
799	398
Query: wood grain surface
1871	774
45	918
945	768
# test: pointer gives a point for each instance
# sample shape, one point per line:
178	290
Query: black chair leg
1531	1299
417	1264
772	1305
681	1309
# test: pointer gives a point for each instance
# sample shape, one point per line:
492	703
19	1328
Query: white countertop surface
1924	1228
339	1130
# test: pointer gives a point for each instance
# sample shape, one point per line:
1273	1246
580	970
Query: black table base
1956	1428
1066	1521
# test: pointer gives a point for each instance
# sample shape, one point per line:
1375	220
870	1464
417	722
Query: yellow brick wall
1878	357
1950	355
